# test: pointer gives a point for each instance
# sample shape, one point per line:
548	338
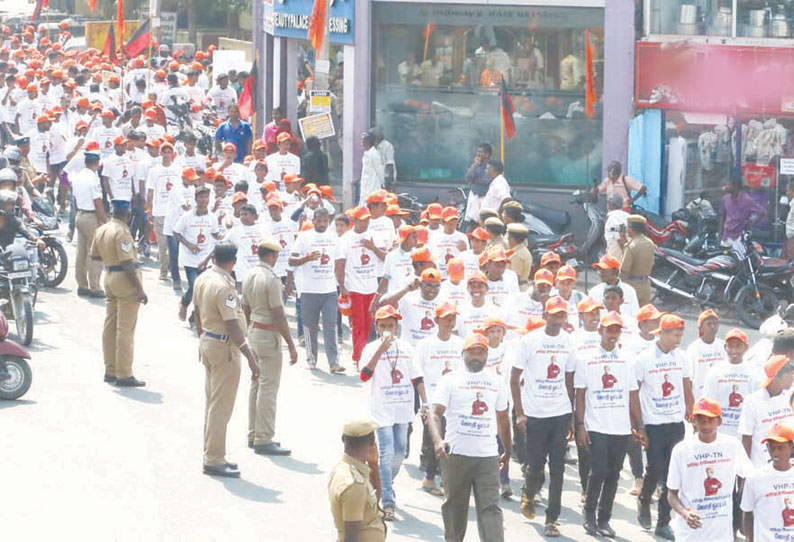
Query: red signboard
691	76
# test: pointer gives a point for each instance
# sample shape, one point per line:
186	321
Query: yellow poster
96	32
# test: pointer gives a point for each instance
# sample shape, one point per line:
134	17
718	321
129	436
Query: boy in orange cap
566	289
392	373
228	167
448	242
767	498
495	331
437	355
705	351
609	272
663	371
605	420
397	267
416	302
523	306
541	382
384	235
477	306
766	406
478	239
180	200
502	282
454	288
704	468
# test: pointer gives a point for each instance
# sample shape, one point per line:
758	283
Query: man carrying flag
507	109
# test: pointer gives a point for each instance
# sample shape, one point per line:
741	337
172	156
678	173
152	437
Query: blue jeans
191	273
173	258
72	210
392	440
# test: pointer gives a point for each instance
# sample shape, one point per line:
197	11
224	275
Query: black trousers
583	462
607	453
661	439
427	456
547	438
634	451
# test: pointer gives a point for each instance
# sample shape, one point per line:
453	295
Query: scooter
15	373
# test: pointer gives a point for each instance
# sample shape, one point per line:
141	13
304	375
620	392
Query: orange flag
92	5
120	19
589	77
316	32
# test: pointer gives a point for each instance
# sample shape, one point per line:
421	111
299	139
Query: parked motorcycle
15	373
17	285
663	233
53	263
730	278
594	244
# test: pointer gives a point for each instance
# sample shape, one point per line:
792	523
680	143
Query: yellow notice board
96	32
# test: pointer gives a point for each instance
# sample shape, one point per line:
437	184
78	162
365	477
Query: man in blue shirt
235	131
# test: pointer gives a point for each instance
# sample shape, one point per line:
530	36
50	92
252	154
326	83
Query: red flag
507	107
110	44
247	101
37	10
139	41
316	32
589	77
92	5
429	29
120	19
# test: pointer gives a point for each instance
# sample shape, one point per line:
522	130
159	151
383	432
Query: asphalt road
83	460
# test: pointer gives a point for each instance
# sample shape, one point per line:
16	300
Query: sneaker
182	315
664	531
644	514
636	488
606	530
527	506
178	287
301	341
70	236
507	491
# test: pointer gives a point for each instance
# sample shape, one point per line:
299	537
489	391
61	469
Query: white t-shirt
471	317
57	143
279	165
437	358
85	188
28	110
729	384
398	269
520	307
769	495
501	292
418	317
315	277
222	98
160	180
471	401
198	230
384	236
246	239
181	199
662	385
545	360
704	475
105	137
359	262
631	305
234	172
498	191
703	356
155	131
391	391
457	294
39	147
284	232
499	362
119	171
471	261
445	247
608	378
759	413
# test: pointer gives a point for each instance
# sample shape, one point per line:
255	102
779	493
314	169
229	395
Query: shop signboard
290	19
319	101
787	166
734	79
267	13
167	27
319	126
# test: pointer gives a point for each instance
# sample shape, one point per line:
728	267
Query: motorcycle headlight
21	265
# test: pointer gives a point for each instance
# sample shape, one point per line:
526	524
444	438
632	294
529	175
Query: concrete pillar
263	78
618	80
277	71
357	104
290	84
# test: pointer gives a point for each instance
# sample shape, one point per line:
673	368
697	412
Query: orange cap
773	366
456	269
92	146
544	276
404	231
150	114
394	210
423	218
292	178
327	191
607	262
120	140
361	213
168	145
43	118
430	274
566	272
611	318
498	254
238	197
422	255
707	407
588	304
648	312
229	146
392	199
736	333
445	309
475	340
268	186
479	233
533	323
108	113
272	199
378	196
449	213
307	225
556	304
491	321
477	276
668	322
549	257
434	210
308	187
189	173
422	234
779	433
387	311
706	314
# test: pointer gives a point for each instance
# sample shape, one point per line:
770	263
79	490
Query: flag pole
427	40
502	130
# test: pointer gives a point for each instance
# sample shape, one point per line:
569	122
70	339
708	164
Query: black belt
84	211
135	265
638	277
216	336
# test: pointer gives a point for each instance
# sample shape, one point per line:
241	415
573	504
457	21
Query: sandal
388	513
551	530
433	490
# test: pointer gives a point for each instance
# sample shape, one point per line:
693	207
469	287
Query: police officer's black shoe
110	379
224	471
99	294
271	449
130	382
83	292
232	466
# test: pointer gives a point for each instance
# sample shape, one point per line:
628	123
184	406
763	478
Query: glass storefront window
754	18
762	19
437	69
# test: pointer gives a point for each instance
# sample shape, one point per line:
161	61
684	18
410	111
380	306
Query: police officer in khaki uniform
267	325
637	262
521	262
113	245
221	327
496	231
354	501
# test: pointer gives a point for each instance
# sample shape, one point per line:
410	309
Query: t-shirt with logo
391	390
471	317
703	356
398	269
457	294
759	412
444	246
704	474
471	401
471	261
501	292
769	495
281	165
179	197
360	269
586	341
198	230
160	180
384	236
608	378
729	384
39	147
283	232
437	358
105	137
246	239
120	173
498	361
317	276
520	308
418	317
545	360
234	172
662	390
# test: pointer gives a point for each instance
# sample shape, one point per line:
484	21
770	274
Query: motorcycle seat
772	264
558	219
543	240
682	256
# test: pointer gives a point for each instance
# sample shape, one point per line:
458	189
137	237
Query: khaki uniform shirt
113	243
521	264
637	259
354	499
215	296
495	242
262	293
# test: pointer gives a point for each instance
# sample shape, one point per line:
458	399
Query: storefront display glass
754	18
437	70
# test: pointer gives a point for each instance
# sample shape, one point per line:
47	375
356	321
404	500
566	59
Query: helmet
12	153
7	196
8	174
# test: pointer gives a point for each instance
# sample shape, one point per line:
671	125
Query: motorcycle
53	261
730	278
15	373
18	272
674	233
594	244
